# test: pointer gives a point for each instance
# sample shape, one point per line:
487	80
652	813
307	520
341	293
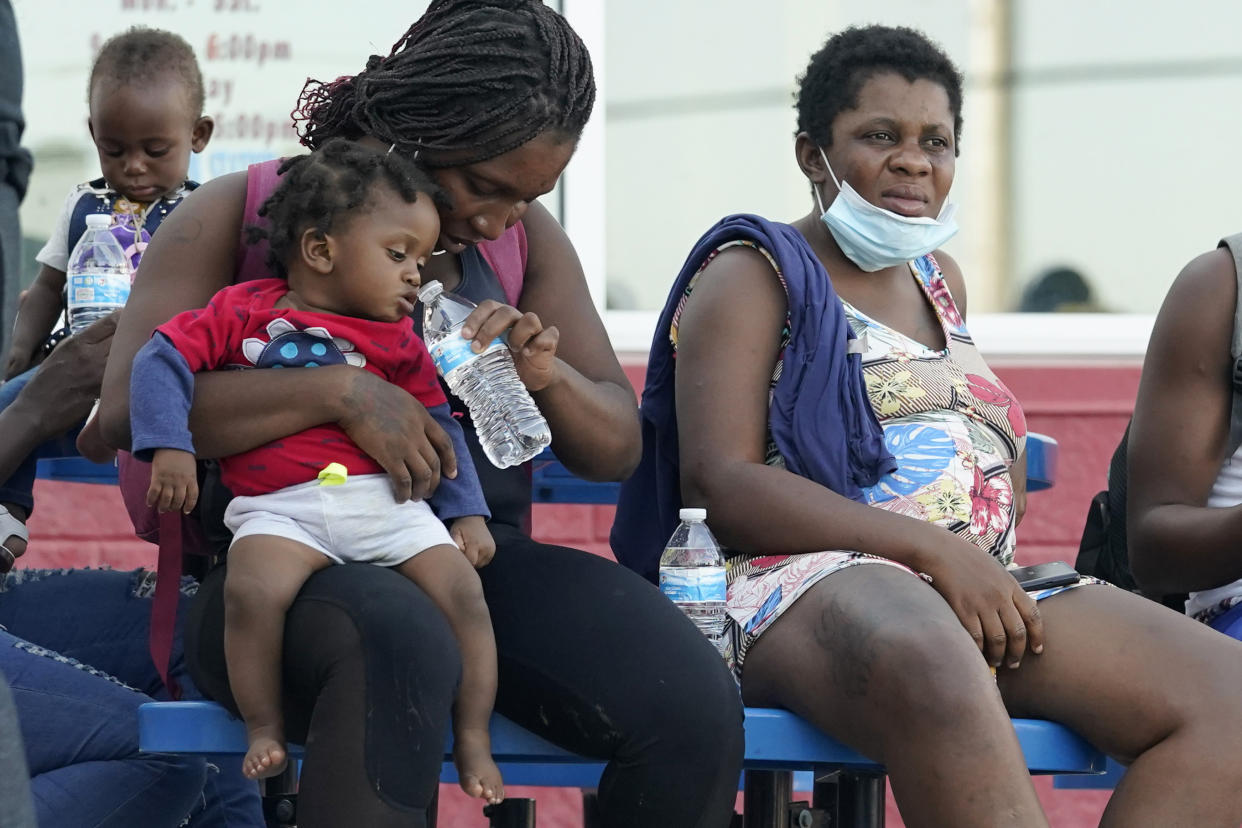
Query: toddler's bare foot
266	756
476	771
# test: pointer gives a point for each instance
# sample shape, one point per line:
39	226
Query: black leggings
591	657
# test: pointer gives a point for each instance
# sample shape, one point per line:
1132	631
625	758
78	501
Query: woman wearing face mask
867	476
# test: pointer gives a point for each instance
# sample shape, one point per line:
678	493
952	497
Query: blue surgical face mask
874	238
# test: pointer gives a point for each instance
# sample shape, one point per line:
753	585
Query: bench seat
775	740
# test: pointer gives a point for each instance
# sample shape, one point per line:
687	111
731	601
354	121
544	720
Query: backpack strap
507	258
1234	244
261	181
163	627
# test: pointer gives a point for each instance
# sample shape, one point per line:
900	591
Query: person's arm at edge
59	395
35	317
1179	435
589	403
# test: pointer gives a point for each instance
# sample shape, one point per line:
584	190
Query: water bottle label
454	351
99	288
697	584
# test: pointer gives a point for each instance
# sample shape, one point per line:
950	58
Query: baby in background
146	117
349	229
145	94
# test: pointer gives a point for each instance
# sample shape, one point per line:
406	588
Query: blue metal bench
848	787
76	470
777	743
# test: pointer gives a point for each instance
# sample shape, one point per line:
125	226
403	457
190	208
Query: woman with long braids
490	98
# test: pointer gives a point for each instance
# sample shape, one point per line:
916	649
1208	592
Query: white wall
255	55
1126	119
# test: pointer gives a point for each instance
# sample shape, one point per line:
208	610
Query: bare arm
1179	435
571	368
728	342
191	258
35	317
58	396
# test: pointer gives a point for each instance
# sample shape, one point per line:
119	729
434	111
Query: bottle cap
692	514
430	291
98	220
333	474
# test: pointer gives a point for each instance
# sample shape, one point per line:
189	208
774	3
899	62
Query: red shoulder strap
507	257
163	627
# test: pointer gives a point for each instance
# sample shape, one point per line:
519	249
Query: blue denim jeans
1230	622
80	722
19	487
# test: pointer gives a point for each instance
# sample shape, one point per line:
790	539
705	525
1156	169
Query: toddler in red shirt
350	229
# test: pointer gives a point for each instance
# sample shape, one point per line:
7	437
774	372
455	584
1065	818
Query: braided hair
326	188
471	78
142	55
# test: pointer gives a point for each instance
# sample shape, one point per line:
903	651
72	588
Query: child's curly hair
330	184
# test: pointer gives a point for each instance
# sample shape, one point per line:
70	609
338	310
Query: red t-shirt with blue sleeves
242	328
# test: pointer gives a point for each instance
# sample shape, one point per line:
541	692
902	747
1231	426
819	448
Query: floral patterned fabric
954	429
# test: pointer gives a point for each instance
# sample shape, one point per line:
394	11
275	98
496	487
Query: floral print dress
954	429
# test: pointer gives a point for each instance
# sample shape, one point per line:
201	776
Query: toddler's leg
264	575
451	582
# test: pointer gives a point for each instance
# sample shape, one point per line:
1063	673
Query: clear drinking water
508	423
692	575
98	274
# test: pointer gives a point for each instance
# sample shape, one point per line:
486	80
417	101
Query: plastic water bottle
692	575
510	428
99	274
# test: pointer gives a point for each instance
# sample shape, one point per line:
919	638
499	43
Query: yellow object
333	474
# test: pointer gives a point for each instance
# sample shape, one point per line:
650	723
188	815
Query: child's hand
474	540
174	481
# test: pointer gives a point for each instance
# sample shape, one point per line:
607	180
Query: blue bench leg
851	799
590	808
765	799
280	798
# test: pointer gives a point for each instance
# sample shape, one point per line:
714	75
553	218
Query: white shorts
357	521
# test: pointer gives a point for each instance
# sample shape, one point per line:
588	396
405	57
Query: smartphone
1045	575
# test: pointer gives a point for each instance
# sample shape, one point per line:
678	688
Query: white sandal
10	527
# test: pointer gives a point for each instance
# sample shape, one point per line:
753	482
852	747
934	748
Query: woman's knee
905	657
363	620
703	708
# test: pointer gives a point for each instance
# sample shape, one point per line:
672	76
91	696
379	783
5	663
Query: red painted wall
1083	404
